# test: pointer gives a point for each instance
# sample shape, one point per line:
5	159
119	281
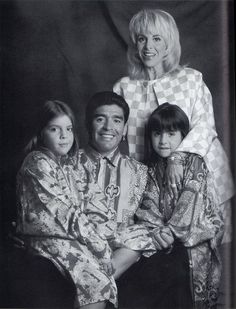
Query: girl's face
152	50
166	142
58	135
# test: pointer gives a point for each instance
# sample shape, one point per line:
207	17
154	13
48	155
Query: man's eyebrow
104	115
98	115
118	116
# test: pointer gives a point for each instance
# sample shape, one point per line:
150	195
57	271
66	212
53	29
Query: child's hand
15	240
107	266
163	238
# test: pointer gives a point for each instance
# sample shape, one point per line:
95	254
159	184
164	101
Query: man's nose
108	124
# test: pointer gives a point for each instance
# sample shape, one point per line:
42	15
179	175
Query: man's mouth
107	136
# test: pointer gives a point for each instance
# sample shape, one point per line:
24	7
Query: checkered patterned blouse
187	89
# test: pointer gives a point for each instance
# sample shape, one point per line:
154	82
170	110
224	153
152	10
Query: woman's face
166	142
152	50
58	135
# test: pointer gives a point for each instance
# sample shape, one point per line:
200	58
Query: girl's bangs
165	124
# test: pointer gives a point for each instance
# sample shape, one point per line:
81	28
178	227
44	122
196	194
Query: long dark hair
50	110
166	117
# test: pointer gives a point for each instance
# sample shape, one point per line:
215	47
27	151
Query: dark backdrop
68	50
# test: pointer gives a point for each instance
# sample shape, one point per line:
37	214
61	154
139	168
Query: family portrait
118	154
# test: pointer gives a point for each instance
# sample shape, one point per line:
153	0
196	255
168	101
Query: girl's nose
163	138
63	134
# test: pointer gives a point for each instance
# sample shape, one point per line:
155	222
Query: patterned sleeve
202	123
148	213
47	211
195	218
139	236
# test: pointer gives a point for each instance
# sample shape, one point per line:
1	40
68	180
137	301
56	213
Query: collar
61	161
94	155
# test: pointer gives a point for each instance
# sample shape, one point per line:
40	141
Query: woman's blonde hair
164	24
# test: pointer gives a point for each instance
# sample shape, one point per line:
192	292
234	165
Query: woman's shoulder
124	81
189	73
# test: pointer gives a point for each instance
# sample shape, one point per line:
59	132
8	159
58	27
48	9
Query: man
112	183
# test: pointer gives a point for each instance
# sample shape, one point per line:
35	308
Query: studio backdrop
68	50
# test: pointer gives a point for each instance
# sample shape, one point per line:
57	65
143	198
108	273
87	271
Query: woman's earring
123	138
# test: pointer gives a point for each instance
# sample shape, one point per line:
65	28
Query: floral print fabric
52	220
194	220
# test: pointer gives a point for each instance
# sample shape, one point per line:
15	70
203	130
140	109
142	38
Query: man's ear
125	129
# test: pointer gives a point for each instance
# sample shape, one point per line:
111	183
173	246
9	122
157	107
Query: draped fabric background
68	50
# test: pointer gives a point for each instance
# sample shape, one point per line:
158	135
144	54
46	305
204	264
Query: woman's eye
140	39
157	39
172	133
70	129
156	134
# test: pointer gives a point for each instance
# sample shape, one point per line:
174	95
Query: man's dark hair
104	98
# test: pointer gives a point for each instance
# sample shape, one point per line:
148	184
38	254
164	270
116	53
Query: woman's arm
202	122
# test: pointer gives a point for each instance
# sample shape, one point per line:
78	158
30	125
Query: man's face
108	127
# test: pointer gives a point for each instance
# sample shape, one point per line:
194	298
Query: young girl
192	263
50	210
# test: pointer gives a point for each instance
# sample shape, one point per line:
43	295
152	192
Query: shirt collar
94	155
59	160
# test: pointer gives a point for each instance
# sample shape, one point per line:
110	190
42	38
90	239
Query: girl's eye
172	133
156	134
53	129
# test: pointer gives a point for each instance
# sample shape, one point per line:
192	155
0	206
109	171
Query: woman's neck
154	72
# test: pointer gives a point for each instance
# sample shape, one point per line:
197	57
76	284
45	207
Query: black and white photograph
118	167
